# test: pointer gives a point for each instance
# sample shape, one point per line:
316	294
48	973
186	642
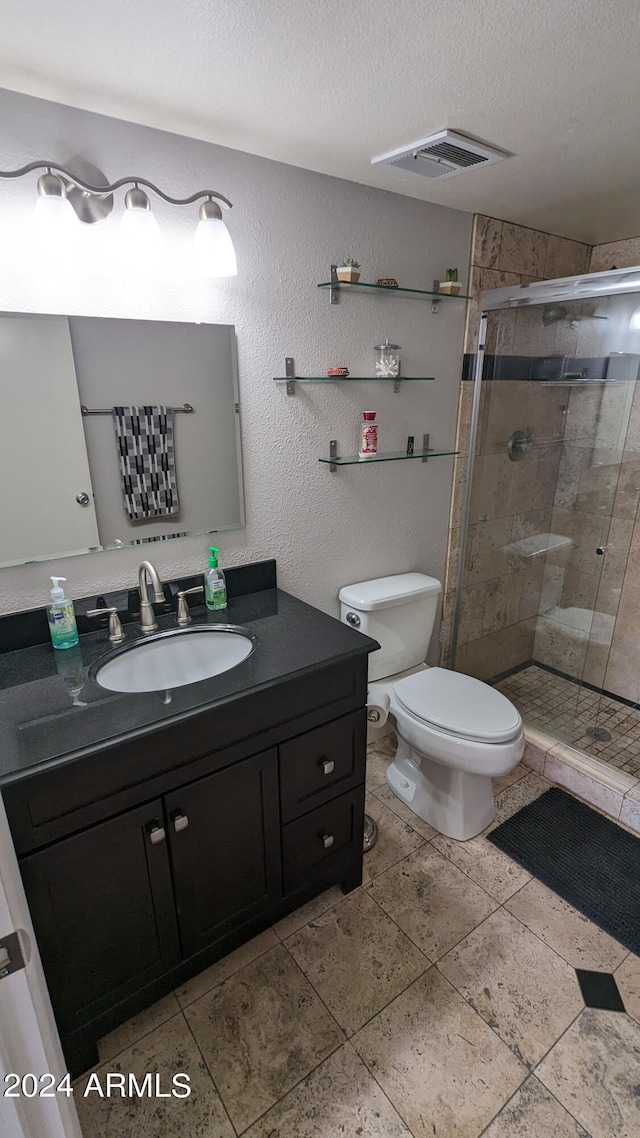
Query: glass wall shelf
335	287
389	456
290	378
364	286
396	380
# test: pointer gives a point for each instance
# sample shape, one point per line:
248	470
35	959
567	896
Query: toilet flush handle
353	619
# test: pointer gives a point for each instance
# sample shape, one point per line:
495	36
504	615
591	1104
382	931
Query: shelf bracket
334	293
435	303
425	447
333	453
290	372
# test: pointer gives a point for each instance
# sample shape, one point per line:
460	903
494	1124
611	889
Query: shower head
552	313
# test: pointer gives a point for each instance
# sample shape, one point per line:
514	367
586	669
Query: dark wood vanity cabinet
133	892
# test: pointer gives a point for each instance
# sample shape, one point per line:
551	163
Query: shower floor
566	711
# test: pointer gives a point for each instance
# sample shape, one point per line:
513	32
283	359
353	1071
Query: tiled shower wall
565	485
501	599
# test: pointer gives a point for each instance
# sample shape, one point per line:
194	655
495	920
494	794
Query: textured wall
288	225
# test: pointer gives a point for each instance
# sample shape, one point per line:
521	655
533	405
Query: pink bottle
369	443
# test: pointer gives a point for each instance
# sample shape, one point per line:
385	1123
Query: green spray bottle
215	586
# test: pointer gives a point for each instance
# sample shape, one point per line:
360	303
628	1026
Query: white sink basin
166	660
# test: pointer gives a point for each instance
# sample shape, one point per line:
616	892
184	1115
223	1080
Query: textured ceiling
327	85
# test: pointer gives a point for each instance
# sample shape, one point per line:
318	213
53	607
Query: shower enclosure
547	603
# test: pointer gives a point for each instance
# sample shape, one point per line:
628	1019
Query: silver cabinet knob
328	766
601	550
180	821
156	833
353	619
327	840
82	498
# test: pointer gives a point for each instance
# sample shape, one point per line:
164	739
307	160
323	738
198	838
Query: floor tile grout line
235	973
397	1109
210	1074
491	895
346	1043
517	1091
437	963
430	962
546	943
409	937
423	842
313	988
379	1085
290	1091
490	1026
428	965
333	905
547	1053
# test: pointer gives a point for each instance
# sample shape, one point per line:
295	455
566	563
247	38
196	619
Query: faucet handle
184	616
116	631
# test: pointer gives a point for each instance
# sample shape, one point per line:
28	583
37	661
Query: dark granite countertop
51	712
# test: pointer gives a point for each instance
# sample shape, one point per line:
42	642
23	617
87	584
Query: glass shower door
545	540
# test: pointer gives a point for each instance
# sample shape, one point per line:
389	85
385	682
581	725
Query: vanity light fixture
64	195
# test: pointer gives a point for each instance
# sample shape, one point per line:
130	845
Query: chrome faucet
146	573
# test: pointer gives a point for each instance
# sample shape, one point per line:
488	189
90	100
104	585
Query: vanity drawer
322	763
313	846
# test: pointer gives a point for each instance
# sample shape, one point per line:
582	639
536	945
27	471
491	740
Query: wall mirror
64	457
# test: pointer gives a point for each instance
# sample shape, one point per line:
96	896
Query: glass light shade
213	251
55	226
140	239
634	323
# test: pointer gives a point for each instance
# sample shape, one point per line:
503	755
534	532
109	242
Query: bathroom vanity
158	831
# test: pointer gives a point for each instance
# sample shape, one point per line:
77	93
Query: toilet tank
398	612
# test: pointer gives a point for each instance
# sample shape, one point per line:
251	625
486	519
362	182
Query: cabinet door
225	848
103	912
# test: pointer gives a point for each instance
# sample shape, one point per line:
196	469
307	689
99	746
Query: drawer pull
328	766
327	840
156	832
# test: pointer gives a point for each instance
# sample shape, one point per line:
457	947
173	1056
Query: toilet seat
458	705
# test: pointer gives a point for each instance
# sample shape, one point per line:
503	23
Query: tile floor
565	710
440	1000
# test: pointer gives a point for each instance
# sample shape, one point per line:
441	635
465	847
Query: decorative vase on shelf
450	288
349	273
387	360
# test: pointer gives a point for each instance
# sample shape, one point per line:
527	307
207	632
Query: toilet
455	733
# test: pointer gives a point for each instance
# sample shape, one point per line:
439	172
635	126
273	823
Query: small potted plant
450	286
348	271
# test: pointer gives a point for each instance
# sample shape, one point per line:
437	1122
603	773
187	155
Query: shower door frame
615	282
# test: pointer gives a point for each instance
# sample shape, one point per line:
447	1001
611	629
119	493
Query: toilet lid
459	704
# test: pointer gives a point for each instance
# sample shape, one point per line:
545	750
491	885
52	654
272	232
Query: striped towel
144	437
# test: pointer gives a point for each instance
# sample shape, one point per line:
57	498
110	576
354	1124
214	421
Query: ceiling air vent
442	155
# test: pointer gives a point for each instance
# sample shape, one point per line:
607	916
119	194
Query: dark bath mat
585	858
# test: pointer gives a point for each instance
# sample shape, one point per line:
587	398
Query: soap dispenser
215	586
62	618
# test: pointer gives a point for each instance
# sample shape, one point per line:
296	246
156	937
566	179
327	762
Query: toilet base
457	804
